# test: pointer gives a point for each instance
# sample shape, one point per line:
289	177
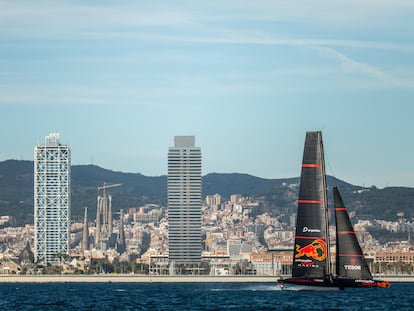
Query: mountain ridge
16	191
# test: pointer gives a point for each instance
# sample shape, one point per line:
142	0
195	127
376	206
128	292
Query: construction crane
106	186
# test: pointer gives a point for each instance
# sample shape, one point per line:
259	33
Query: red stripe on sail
340	209
316	165
346	232
311	201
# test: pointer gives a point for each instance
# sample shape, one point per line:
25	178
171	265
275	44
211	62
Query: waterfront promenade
131	278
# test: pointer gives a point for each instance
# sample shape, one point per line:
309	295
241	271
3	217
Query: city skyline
247	81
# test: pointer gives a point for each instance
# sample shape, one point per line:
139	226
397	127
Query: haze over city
119	80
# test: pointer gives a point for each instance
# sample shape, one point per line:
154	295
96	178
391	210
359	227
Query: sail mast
325	200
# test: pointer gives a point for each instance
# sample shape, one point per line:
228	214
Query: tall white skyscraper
51	200
184	201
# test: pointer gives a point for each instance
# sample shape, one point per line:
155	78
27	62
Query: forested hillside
279	195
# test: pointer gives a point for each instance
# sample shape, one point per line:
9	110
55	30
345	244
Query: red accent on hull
369	284
340	209
376	283
383	284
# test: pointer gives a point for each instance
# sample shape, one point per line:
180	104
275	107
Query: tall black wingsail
311	253
350	261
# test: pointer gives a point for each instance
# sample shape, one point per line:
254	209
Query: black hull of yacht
329	283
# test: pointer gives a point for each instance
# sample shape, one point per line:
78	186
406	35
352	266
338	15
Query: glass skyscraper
52	200
184	201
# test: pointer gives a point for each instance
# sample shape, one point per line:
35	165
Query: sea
197	296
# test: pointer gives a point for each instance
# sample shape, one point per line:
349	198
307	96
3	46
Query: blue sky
119	79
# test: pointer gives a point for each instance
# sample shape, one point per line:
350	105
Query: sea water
197	296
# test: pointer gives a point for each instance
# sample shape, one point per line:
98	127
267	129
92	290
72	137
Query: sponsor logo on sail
306	229
306	263
352	265
316	250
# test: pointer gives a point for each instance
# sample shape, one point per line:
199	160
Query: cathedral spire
85	238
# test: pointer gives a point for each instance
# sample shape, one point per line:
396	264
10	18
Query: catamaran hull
328	284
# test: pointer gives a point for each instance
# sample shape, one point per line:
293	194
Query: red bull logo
315	250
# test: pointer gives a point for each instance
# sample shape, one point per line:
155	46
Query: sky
119	79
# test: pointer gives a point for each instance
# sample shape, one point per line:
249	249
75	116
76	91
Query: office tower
51	200
184	201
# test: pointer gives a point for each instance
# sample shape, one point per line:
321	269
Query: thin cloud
352	66
51	19
205	23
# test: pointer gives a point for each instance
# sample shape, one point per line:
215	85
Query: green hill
279	195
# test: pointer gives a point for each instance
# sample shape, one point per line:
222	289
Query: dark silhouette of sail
311	258
350	261
311	253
